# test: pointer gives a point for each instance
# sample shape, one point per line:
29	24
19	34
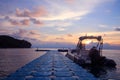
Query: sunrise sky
53	23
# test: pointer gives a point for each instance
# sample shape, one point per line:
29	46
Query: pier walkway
51	66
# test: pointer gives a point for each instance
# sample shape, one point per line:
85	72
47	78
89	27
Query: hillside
10	42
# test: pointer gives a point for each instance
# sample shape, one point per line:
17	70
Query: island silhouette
10	42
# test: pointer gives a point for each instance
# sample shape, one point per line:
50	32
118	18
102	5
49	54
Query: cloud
70	1
37	12
57	10
20	33
103	26
35	21
117	29
65	15
29	35
62	11
22	22
61	28
7	18
32	36
16	23
5	24
70	35
25	22
58	24
60	38
7	31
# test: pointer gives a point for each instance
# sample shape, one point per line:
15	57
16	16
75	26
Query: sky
59	23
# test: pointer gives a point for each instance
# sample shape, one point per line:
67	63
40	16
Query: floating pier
51	66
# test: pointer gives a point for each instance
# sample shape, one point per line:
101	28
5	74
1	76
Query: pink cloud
20	33
70	1
5	31
25	22
26	34
37	12
17	22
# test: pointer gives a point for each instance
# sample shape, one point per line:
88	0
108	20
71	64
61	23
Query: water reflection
13	59
105	73
99	71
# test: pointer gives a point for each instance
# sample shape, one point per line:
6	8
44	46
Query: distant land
70	45
10	42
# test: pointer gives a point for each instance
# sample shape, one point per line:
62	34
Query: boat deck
51	66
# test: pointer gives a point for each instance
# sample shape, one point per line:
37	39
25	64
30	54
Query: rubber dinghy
93	57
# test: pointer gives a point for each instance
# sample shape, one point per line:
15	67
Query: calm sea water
13	59
112	74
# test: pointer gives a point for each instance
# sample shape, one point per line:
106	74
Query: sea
13	59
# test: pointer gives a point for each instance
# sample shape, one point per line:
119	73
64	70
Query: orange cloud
70	35
111	37
59	38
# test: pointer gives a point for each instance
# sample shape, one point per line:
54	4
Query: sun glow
87	41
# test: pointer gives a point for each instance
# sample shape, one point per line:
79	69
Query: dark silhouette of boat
63	50
92	57
41	50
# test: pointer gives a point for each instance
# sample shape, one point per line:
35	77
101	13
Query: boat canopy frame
81	46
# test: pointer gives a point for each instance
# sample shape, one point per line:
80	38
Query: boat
63	50
91	57
41	50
